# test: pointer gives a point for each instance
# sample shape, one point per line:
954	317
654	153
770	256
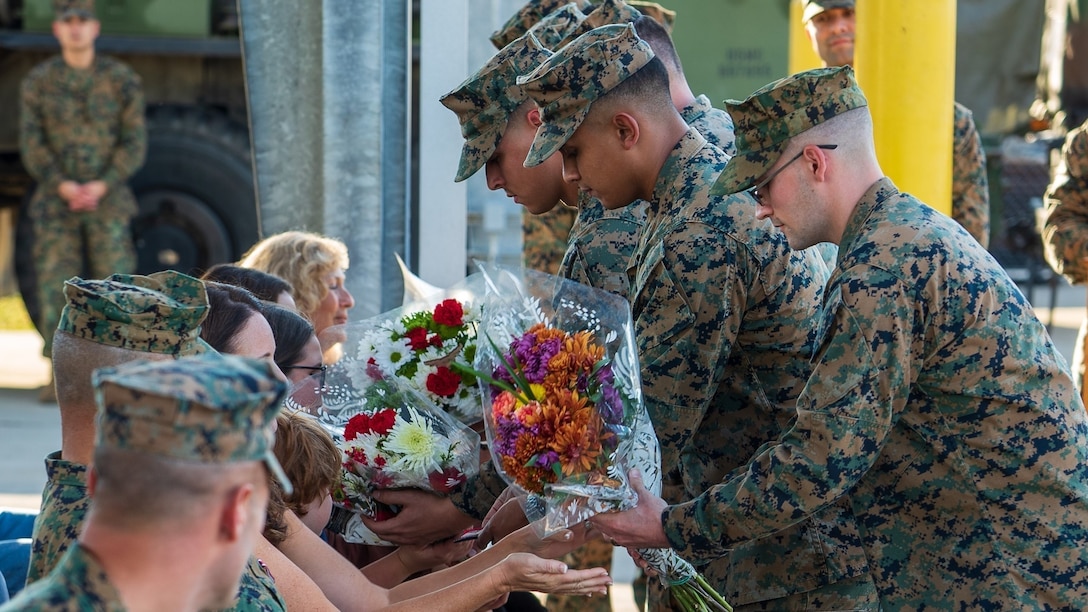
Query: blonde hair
303	259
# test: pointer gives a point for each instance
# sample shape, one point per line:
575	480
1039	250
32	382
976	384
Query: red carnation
443	382
417	338
358	424
449	312
382	421
446	480
372	370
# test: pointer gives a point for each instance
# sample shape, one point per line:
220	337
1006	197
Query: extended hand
506	517
639	527
423	517
526	572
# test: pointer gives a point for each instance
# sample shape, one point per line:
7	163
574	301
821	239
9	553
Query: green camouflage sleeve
858	386
1065	233
131	148
33	144
479	493
544	238
970	187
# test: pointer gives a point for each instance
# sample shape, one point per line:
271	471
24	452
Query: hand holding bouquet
566	420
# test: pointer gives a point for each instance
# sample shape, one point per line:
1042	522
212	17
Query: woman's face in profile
333	308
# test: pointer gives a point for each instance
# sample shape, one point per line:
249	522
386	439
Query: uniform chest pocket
662	311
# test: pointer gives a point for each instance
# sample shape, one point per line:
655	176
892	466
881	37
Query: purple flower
547	459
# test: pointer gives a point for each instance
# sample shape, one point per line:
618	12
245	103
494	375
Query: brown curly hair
308	456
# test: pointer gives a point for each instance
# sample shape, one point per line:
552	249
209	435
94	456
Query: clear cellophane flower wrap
565	420
391	436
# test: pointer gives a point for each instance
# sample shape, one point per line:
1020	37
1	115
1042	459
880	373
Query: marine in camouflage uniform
206	410
724	317
81	125
1065	232
157	314
938	407
970	185
547	237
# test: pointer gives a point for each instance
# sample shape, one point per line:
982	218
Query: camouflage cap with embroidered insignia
815	7
768	118
484	102
566	85
208	408
157	313
527	17
559	26
659	13
63	9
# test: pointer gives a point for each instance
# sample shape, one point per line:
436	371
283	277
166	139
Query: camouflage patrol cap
608	12
157	313
559	26
63	9
657	12
484	102
768	118
527	17
209	408
566	85
815	7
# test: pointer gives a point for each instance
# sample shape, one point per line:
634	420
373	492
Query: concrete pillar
328	91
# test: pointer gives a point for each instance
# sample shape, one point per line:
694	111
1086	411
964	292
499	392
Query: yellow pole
801	55
905	57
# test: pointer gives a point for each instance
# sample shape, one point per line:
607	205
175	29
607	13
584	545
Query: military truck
195	191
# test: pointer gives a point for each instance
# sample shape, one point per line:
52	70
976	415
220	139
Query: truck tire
196	198
196	193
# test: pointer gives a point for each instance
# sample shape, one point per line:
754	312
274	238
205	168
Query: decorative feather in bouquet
566	422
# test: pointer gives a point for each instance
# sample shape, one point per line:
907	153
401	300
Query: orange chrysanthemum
578	442
532	477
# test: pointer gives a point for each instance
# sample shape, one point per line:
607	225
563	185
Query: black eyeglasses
320	368
754	190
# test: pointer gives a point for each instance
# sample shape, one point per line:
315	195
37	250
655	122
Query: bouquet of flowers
566	420
395	444
419	345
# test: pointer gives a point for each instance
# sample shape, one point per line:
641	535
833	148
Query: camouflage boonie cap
608	12
157	313
527	17
559	26
657	12
484	102
768	118
63	9
815	7
208	408
566	85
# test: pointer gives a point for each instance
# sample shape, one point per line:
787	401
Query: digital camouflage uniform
159	313
1065	233
80	125
602	241
725	329
938	407
207	408
970	186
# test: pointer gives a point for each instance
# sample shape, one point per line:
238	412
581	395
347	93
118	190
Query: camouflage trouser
849	594
59	246
596	553
544	238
